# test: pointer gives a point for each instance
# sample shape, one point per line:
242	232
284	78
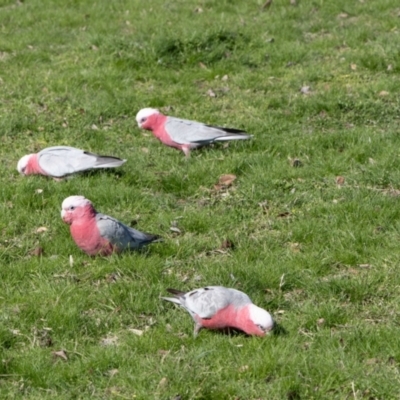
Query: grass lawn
313	214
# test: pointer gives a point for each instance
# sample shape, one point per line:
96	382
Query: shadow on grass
278	330
117	172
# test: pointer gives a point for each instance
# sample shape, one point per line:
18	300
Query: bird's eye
143	120
72	208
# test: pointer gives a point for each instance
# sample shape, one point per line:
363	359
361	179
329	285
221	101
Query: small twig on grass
354	392
282	282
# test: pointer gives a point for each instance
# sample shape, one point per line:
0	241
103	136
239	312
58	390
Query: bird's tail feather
150	238
175	292
229	130
172	300
233	137
107	161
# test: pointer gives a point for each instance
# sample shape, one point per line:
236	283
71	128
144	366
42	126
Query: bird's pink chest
33	166
222	319
87	236
161	133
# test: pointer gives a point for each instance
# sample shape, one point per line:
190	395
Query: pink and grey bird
60	161
217	307
99	234
183	134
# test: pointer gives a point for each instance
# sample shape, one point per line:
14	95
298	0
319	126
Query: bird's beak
63	214
268	330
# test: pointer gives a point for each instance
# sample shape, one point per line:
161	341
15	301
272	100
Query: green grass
322	258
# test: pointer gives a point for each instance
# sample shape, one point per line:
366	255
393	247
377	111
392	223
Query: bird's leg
197	328
186	150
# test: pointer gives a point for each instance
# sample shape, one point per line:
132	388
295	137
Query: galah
217	307
60	161
183	134
99	234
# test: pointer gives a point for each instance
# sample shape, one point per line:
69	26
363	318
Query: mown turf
315	240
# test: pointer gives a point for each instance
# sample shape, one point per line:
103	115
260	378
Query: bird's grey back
121	235
59	161
184	131
208	300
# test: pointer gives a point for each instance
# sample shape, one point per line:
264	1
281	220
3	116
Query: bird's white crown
261	317
144	113
22	163
75	201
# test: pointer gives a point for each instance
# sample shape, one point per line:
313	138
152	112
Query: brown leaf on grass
43	337
37	251
295	247
364	265
136	332
227	244
284	214
112	372
211	93
353	67
305	90
41	229
320	321
202	65
266	5
109	341
225	181
342	15
243	368
264	205
145	150
113	277
383	93
163	383
340	180
60	354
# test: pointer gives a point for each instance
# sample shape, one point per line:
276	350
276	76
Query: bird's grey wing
112	230
59	161
104	161
141	238
183	131
207	301
121	235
